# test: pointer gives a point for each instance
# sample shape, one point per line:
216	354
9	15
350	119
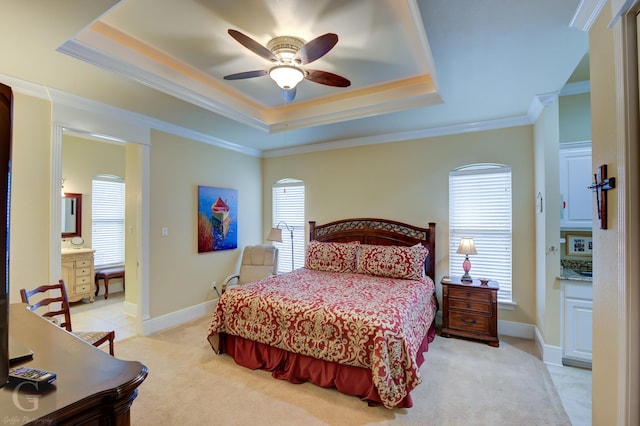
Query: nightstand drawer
470	294
468	322
471	305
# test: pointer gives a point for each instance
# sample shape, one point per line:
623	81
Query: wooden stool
106	275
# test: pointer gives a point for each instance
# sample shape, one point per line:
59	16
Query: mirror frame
78	198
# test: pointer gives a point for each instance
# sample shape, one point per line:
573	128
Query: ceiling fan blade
246	74
252	45
288	95
327	78
316	48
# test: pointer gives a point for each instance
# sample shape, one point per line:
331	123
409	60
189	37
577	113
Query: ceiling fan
287	55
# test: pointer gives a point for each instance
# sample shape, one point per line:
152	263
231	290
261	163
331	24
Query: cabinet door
575	177
578	337
69	276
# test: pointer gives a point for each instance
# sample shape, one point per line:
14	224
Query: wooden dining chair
61	314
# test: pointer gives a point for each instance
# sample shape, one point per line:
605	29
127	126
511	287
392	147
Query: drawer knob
473	321
468	305
468	294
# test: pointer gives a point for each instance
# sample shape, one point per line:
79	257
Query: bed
358	317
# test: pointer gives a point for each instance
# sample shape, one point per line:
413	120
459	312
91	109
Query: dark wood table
92	387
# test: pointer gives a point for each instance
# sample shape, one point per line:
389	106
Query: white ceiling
415	66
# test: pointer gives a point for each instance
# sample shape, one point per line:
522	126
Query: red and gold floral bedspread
361	320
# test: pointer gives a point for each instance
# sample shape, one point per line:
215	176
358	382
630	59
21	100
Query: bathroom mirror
71	215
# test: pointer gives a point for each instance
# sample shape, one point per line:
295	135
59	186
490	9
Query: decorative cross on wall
600	187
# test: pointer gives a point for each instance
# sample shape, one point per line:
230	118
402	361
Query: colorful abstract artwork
217	219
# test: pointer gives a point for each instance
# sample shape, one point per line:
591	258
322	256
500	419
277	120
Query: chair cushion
91	337
259	255
258	262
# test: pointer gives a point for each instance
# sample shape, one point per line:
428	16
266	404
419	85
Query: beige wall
84	158
408	181
547	223
179	276
575	118
30	194
606	343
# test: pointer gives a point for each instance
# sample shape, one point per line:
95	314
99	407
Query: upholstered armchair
258	262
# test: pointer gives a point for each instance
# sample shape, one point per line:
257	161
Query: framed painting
579	245
217	219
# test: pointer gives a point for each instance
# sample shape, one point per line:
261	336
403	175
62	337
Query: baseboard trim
516	329
551	355
163	322
130	309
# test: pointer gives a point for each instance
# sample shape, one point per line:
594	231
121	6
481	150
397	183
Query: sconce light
276	235
466	247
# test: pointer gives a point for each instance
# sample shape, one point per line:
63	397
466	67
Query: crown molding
86	116
479	126
112	50
586	14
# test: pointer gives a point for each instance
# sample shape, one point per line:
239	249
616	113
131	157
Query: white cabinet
577	307
575	177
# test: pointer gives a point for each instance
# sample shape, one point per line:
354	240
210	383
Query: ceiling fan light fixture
286	76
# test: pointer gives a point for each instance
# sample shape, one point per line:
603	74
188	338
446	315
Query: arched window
288	215
480	207
107	224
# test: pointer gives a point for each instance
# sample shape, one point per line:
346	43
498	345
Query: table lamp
466	247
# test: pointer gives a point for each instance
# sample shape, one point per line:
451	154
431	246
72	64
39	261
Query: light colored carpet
464	383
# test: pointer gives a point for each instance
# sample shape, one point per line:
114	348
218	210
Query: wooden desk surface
91	387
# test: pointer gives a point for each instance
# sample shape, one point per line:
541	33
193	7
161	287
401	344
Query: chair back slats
53	313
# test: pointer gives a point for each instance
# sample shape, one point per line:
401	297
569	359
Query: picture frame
217	219
579	245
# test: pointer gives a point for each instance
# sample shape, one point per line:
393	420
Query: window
107	226
288	211
480	207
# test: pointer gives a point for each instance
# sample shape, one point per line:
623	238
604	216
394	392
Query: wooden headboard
378	231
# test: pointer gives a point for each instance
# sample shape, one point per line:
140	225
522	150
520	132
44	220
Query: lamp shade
275	235
286	76
466	246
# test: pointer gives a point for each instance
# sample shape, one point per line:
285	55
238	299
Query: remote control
36	378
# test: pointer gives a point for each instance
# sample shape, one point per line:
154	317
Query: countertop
571	274
76	250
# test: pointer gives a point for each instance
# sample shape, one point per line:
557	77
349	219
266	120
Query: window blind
107	226
480	207
288	207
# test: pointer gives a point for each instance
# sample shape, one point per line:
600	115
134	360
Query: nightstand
470	310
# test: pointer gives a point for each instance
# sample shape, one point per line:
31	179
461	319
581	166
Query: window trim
118	257
298	224
494	233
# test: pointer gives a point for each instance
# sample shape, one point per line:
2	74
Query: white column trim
55	254
626	56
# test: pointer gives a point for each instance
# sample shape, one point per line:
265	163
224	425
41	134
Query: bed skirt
297	368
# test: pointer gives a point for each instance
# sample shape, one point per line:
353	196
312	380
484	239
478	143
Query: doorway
132	306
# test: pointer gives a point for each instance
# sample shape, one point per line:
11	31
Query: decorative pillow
332	257
393	261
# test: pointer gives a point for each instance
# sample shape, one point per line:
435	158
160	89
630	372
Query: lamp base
466	278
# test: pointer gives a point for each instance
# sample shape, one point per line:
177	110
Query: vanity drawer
83	288
84	263
81	272
83	280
